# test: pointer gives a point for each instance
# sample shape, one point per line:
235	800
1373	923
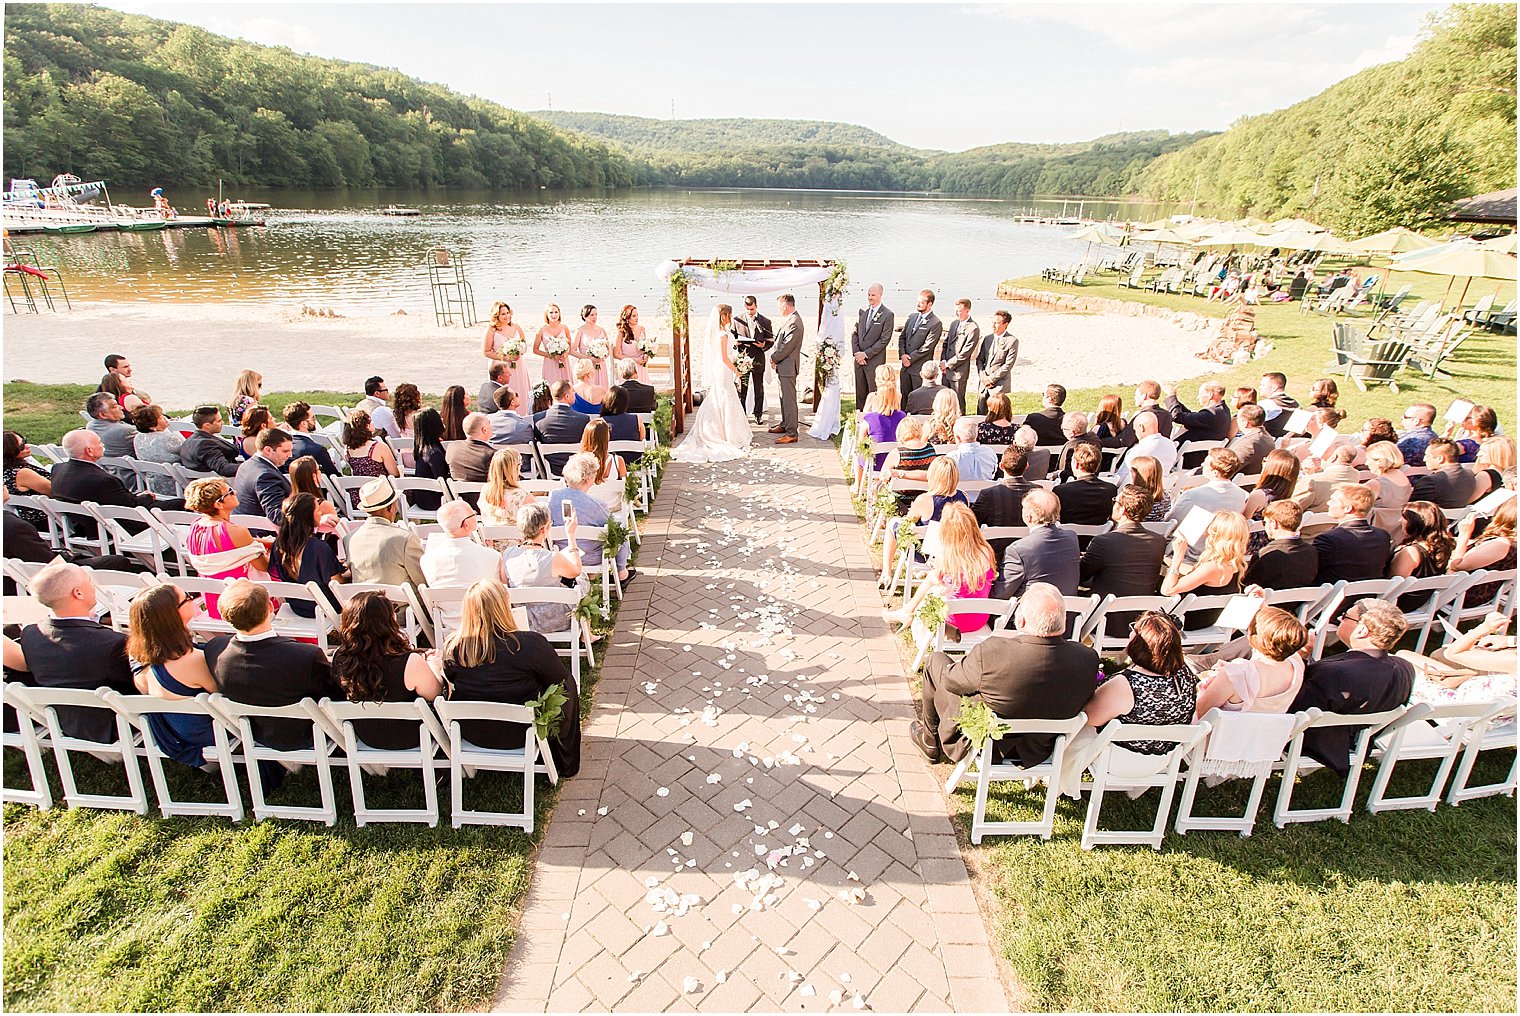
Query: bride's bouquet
598	349
825	365
513	348
558	347
743	365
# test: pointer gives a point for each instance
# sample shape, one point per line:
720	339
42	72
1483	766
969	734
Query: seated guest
942	417
373	662
1049	554
1323	392
1268	680
914	453
381	419
1220	565
504	495
106	416
155	442
70	649
1126	560
1478	666
997	427
1426	548
1390	488
169	665
431	459
259	668
1354	550
246	393
611	471
1279	478
1365	680
1275	402
301	554
533	563
1074	426
562	423
1002	504
1320	420
1494	468
1037	461
1254	441
23	476
1145	472
883	410
452	412
1412	441
1030	673
1494	550
622	425
470	460
1315	487
921	399
1147	400
496	379
206	451
118	366
1447	484
218	547
586	394
1047	422
81	479
452	558
975	462
305	476
259	483
508	425
1378	430
1150	442
1243	397
1219	494
1085	499
487	659
380	550
257	420
641	396
1480	425
579	475
300	425
943	482
961	567
1287	561
1209	422
1109	424
367	455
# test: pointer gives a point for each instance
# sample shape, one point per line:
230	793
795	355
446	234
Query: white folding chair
340	488
543	451
1502	599
54	534
136	709
115	591
1096	626
1435	593
1369	724
1426	732
1493	733
444	606
148	472
1270	732
147	545
1323	618
939	640
21	572
362	756
81	532
45	703
1117	768
411	512
574	641
459	488
1205	636
1300	601
239	719
171	526
344	592
612	586
466	757
120	466
1048	772
27	740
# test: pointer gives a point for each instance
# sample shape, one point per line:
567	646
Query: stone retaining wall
1077	303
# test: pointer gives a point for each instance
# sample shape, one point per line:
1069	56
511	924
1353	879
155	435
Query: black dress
1159	701
396	735
525	666
431	465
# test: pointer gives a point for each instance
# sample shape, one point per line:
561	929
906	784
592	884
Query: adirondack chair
1428	359
1377	364
1135	275
1480	310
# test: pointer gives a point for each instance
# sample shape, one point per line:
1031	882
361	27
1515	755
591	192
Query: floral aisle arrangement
825	365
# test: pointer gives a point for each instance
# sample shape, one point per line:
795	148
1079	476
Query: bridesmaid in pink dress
495	347
630	335
556	366
588	334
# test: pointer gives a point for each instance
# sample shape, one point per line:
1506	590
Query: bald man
868	342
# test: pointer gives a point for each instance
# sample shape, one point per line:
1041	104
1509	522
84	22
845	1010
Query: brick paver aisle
751	828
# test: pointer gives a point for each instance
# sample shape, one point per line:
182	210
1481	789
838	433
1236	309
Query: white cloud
1396	48
1152	28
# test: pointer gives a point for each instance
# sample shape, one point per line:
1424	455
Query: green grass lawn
108	911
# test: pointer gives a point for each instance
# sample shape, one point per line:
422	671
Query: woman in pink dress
218	547
630	337
554	343
963	566
506	343
591	344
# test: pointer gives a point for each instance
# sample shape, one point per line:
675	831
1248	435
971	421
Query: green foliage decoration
979	723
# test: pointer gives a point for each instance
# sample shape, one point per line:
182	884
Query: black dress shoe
925	741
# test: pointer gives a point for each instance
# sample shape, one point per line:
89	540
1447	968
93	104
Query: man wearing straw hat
381	550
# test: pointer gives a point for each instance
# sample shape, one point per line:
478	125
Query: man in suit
1314	489
205	451
118	365
1287	561
1368	679
81	479
1275	402
1077	431
259	668
641	397
72	650
1447	485
105	422
755	337
470	460
1126	560
1147	399
485	401
1354	550
920	401
963	342
785	358
919	342
1003	353
868	342
1031	673
1253	443
1209	422
1048	554
1046	424
508	425
561	424
1086	500
299	424
380	550
259	481
1002	504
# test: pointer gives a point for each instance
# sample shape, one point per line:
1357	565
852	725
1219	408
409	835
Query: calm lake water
334	248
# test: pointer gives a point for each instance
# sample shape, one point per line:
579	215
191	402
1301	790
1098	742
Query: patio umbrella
1229	235
1158	224
1467	259
1198	228
1397	240
1100	233
1284	225
1319	243
1503	244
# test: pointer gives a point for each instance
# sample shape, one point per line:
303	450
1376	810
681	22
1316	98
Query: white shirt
1214	496
1162	449
380	416
974	460
458	561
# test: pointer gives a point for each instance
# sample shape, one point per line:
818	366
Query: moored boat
77	227
144	226
398	210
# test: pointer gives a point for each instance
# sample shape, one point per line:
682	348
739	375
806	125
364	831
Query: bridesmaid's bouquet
513	348
598	349
646	346
558	347
826	365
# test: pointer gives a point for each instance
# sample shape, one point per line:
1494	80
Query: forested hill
705	135
136	100
1392	145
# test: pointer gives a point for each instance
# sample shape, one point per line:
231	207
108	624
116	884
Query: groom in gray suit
919	342
785	357
873	331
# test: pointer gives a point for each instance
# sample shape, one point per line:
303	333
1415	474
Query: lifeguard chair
452	294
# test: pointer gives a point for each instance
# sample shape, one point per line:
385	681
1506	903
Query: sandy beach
183	354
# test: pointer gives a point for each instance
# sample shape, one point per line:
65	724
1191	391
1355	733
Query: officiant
755	337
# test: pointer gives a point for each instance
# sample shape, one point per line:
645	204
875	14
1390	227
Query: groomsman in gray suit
919	342
1004	353
785	357
873	330
959	351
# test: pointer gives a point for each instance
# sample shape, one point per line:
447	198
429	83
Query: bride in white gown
719	431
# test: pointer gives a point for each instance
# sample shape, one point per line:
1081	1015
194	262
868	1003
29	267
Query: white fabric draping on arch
761	280
830	332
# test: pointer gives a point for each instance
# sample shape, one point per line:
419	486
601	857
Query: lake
333	249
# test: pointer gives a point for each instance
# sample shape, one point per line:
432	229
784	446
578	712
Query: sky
943	76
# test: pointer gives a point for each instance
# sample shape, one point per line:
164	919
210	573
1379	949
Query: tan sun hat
376	495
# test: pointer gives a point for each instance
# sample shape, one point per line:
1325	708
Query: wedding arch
750	276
